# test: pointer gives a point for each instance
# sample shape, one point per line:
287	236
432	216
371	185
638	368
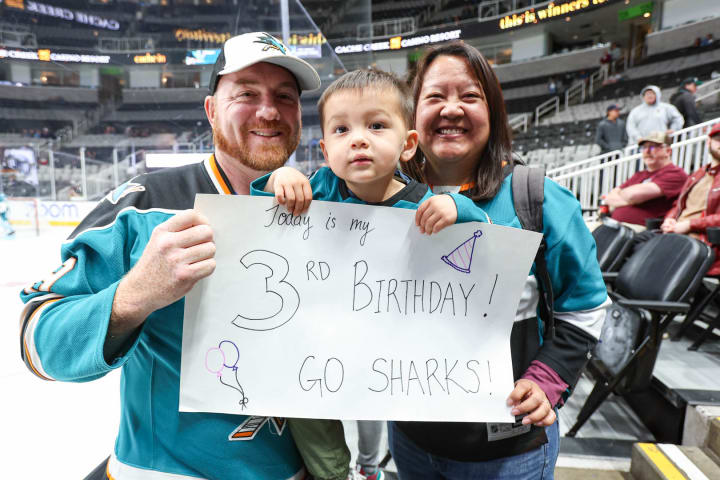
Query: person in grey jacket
684	101
611	134
652	116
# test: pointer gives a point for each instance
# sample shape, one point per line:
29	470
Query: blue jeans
415	464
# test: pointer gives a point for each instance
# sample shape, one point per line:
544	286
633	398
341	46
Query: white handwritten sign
349	312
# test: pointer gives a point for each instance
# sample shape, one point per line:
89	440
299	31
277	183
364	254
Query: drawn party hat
461	258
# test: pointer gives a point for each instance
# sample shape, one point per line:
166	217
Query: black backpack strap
528	189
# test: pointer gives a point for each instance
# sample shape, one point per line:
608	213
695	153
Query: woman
465	143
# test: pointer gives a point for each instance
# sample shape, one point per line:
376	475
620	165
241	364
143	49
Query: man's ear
210	109
410	146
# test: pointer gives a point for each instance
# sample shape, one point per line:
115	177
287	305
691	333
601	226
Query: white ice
51	429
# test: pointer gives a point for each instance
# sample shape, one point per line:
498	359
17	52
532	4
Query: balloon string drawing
222	362
461	258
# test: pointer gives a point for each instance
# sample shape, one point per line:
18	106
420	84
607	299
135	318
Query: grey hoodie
657	117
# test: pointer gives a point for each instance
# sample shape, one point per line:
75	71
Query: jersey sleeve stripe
31	357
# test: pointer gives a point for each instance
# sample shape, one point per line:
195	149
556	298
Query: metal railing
386	28
680	154
548	106
707	90
520	122
589	179
126	45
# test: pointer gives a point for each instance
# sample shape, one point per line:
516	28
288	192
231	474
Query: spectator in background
611	134
552	86
698	206
708	40
649	193
684	101
652	116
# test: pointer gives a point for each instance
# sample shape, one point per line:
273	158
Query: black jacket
684	101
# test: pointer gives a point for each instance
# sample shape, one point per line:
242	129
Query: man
698	206
649	193
684	101
117	301
611	134
652	115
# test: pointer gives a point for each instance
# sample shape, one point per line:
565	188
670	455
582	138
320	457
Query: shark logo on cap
270	42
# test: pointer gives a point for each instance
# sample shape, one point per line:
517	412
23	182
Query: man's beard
715	153
266	158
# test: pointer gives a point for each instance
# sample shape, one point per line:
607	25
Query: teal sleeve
467	210
257	187
64	324
571	255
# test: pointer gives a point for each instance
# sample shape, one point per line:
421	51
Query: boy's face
364	137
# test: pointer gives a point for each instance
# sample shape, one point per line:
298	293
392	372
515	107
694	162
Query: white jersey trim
590	321
116	470
29	340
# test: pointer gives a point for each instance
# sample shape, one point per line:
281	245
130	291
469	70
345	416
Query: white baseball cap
248	49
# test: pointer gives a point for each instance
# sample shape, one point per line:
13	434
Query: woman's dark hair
498	150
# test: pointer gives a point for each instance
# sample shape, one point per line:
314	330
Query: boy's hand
291	188
436	213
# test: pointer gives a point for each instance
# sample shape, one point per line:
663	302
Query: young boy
366	118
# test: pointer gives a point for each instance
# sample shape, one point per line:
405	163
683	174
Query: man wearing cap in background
117	300
684	101
651	192
652	115
611	134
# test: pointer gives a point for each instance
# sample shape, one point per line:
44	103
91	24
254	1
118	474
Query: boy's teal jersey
328	187
65	323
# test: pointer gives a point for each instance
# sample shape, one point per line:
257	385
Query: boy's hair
370	78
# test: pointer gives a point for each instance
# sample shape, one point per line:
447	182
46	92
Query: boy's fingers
420	212
290	196
440	224
299	199
302	200
430	221
307	192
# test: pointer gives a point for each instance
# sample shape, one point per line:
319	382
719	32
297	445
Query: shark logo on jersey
123	190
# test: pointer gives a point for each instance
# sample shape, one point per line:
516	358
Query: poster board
348	312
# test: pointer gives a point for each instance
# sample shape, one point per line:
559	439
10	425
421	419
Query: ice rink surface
51	429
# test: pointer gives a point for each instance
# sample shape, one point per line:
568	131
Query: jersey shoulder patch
124	190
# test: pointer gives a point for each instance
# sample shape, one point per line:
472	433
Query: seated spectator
698	206
649	193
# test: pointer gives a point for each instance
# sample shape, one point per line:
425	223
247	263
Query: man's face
714	146
255	115
691	87
655	155
613	114
649	97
